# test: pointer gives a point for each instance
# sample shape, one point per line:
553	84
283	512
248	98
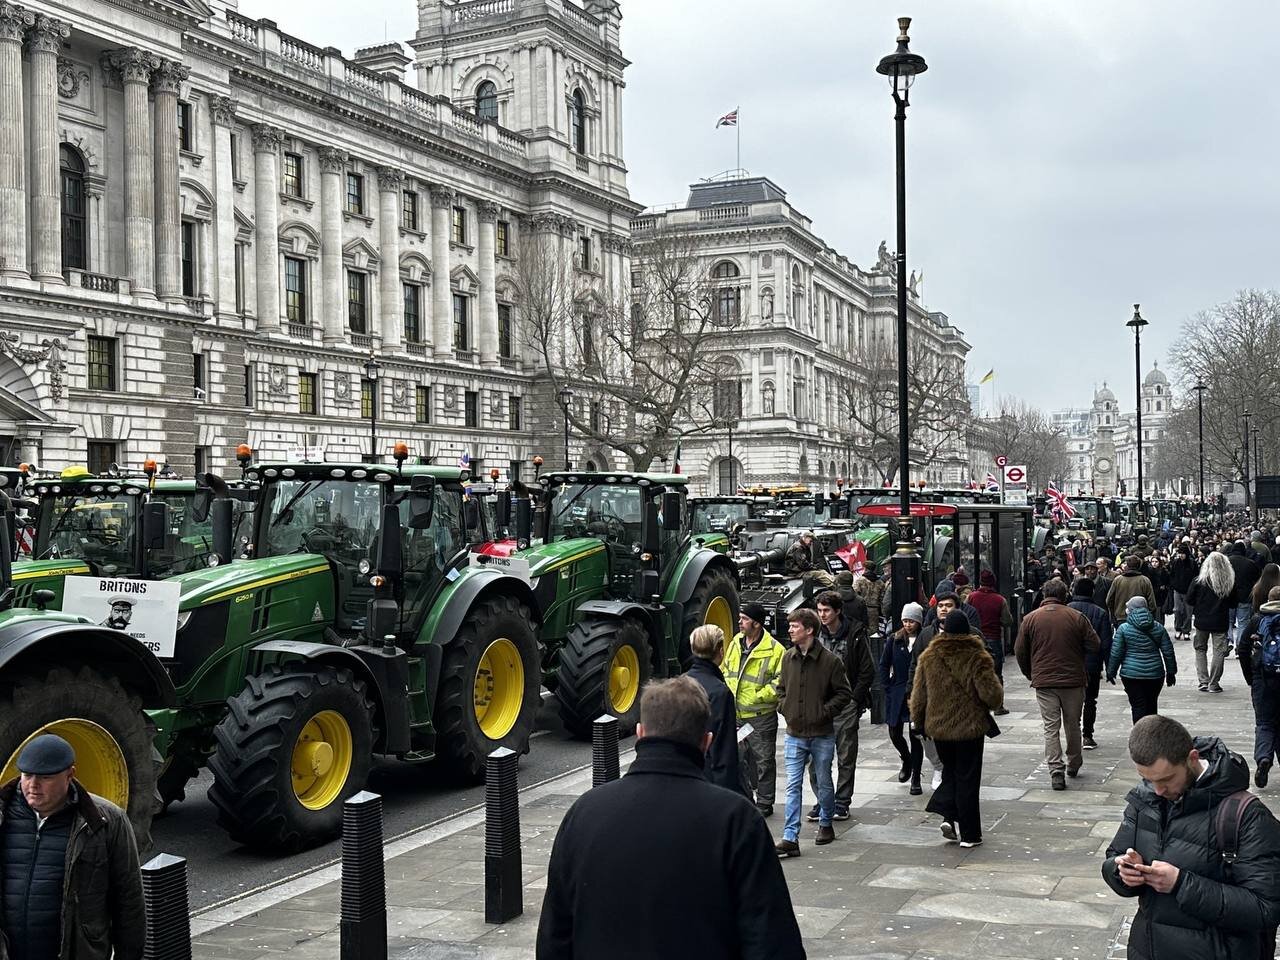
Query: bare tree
1026	435
937	405
646	358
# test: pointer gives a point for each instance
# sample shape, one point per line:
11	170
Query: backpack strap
1227	823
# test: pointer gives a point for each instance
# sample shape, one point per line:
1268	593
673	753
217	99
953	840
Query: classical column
134	67
752	406
223	111
14	21
43	42
441	296
266	214
165	83
617	119
391	302
488	334
333	165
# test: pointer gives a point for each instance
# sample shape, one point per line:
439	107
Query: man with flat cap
751	668
120	615
70	888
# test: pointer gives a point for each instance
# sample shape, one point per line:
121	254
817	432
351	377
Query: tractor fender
629	609
462	598
699	563
109	651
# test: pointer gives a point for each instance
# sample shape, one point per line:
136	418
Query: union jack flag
993	485
1060	507
729	119
464	461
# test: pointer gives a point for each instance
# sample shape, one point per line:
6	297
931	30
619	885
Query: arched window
578	121
74	232
725	270
487	101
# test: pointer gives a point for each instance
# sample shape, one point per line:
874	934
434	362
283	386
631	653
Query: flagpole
738	127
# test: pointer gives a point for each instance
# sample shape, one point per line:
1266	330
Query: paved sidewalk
887	889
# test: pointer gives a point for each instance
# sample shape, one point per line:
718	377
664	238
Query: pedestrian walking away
895	667
955	689
1260	666
995	616
722	768
1196	853
1182	571
1131	582
1246	575
693	863
1053	643
68	863
1095	664
1143	657
751	669
1211	599
812	691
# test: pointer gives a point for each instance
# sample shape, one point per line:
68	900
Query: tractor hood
45	569
21	615
546	557
219	583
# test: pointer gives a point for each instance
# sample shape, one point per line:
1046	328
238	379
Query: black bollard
503	892
364	886
604	749
164	895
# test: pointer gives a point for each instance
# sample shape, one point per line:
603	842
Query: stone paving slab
888	889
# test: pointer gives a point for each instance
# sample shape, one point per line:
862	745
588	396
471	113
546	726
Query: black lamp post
1248	499
1257	454
1138	323
1200	388
565	396
371	368
902	67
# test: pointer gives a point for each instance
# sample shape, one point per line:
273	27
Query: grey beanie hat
1136	603
913	611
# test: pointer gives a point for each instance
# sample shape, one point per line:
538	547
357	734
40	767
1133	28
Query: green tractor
620	581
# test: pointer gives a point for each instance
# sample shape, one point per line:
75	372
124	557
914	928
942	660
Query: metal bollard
604	750
364	886
503	890
164	895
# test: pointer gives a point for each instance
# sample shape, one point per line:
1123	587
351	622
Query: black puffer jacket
33	863
1209	612
1203	917
1182	570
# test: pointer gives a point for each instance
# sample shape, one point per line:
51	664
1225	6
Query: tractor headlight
213	560
364	567
183	617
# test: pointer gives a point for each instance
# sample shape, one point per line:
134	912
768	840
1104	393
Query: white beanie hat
913	611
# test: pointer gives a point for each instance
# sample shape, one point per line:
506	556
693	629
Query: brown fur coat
955	686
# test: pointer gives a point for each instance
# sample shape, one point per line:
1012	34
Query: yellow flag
991	375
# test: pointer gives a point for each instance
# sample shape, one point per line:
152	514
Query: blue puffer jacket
1140	649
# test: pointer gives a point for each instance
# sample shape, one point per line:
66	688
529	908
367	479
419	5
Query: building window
471	409
502	244
412	313
597	416
355	193
578	122
461	339
422	405
588	339
487	101
238	266
184	126
514	404
201	460
293	174
368	398
74	232
409	210
188	258
357	304
584	252
307	393
727	305
101	454
295	290
235	156
199	366
505	345
513	471
102	363
460	226
726	400
635	279
250	371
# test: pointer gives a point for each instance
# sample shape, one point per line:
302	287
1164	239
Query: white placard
513	566
147	610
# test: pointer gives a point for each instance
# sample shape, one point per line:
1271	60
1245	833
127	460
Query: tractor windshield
718	517
1089	511
98	528
595	510
188	541
335	518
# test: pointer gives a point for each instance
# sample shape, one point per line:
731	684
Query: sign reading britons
147	610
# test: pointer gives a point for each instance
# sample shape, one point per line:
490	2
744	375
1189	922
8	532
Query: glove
1169	680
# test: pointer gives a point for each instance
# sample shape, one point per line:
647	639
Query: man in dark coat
1100	620
1190	904
995	616
846	637
1247	573
722	766
693	864
69	880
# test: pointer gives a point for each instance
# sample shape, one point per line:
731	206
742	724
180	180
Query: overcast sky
1065	159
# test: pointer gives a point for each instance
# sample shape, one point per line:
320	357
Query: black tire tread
712	583
582	673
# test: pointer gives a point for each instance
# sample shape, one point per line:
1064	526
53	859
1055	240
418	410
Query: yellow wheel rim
100	763
720	614
499	688
321	760
624	679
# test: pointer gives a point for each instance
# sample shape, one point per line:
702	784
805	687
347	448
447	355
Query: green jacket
753	678
813	689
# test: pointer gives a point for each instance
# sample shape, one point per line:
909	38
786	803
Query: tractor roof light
149	467
244	454
24	467
400	452
74	473
494	474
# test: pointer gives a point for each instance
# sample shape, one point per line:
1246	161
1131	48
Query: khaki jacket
812	690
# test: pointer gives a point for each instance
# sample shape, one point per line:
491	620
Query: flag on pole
729	119
1060	507
676	458
993	485
464	461
990	375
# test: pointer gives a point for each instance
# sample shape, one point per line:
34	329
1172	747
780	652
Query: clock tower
1105	418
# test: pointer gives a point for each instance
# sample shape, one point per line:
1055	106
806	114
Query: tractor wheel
601	668
489	687
176	772
295	744
103	723
715	601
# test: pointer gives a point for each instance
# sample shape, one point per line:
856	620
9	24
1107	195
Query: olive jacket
813	689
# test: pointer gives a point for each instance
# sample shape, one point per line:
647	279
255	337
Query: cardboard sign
512	566
147	610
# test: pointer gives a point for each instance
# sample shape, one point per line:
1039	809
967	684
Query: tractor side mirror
200	504
651	535
819	503
421	501
524	522
221	519
672	511
155	525
390	550
471	515
504	508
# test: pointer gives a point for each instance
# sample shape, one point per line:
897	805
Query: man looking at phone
1169	850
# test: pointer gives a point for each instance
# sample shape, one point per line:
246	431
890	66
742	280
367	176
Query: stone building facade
212	231
805	315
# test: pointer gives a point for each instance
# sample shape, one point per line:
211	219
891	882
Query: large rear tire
103	723
295	744
602	667
489	687
715	601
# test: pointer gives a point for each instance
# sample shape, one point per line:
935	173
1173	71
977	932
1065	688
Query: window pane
409	210
355	193
459	225
306	393
356	301
74	232
412	313
502	245
368	398
461	340
487	101
472	407
514	411
295	289
100	456
293	174
422	405
504	331
188	258
102	363
184	126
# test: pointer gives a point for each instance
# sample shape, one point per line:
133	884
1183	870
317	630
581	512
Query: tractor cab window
188	542
611	513
799	514
717	517
98	528
430	546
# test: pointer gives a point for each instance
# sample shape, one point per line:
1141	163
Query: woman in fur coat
955	689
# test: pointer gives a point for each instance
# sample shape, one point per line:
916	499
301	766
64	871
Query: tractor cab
722	514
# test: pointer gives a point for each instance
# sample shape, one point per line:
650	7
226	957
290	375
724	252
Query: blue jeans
1239	620
796	752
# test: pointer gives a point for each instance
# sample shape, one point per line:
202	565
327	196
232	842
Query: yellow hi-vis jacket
753	679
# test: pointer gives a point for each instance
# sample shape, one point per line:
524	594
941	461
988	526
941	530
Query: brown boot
825	835
787	848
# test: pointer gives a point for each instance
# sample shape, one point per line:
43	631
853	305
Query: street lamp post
565	396
1138	323
371	368
1248	499
901	67
1200	388
1257	454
